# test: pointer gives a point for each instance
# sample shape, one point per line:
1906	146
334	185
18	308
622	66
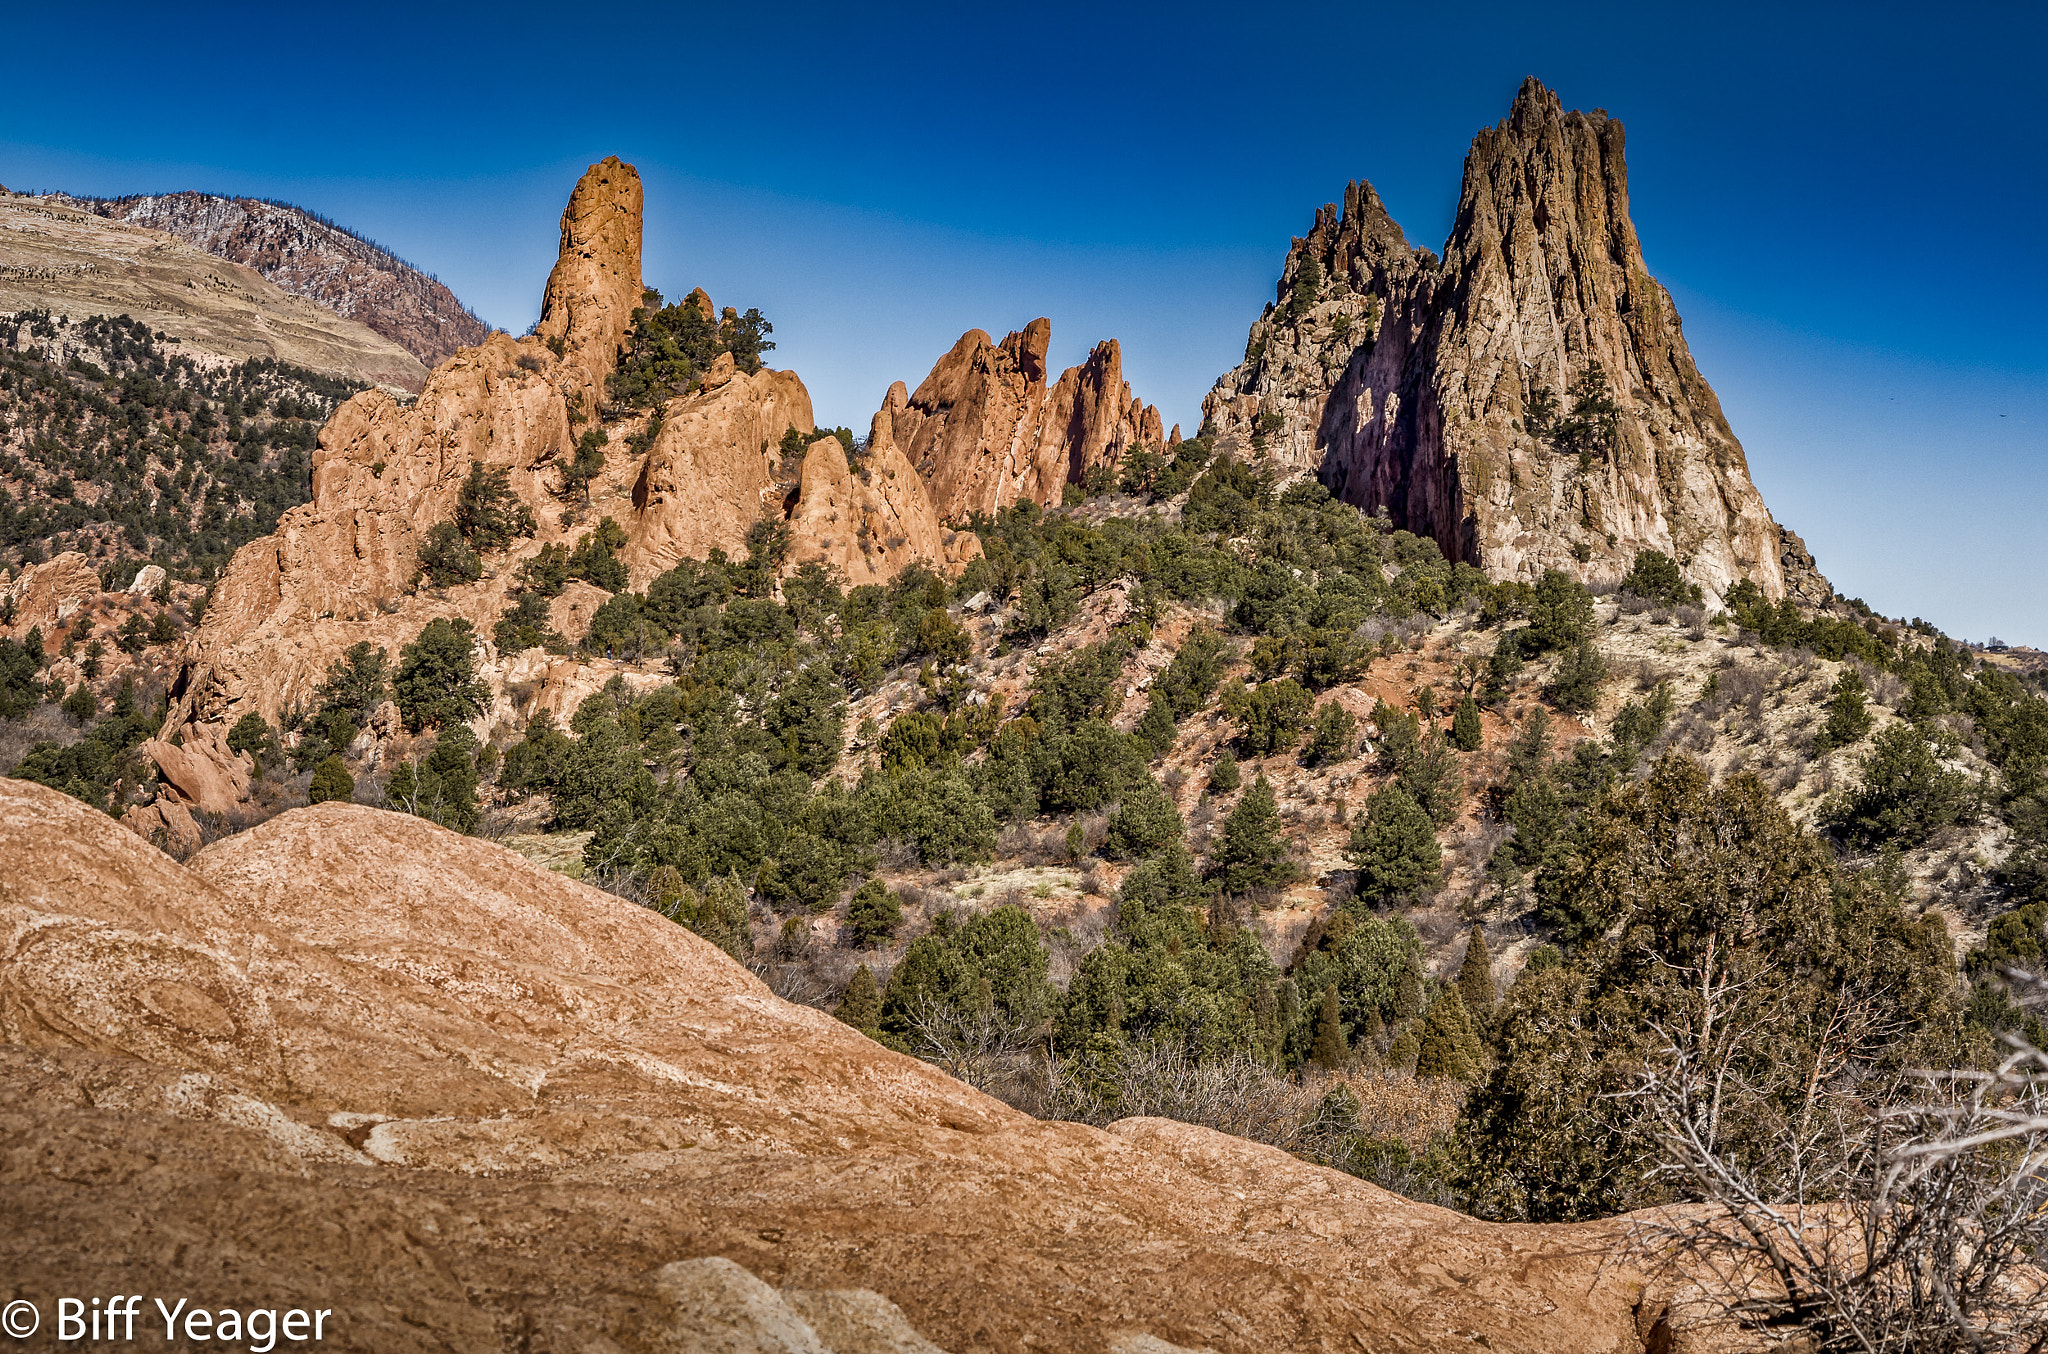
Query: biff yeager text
124	1317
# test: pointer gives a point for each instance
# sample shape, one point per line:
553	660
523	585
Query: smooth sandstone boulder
470	1104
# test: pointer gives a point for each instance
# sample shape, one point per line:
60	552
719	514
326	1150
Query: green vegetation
672	346
190	462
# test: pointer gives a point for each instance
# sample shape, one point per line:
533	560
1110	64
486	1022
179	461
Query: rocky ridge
57	258
1416	384
692	477
475	1105
985	430
307	255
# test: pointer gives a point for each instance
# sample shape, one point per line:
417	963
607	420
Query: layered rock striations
985	430
352	1060
1416	384
312	257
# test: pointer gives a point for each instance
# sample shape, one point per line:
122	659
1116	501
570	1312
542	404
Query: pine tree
1157	727
722	917
1449	1046
1408	994
1849	715
1223	776
1475	977
1467	733
1394	848
861	1004
1144	821
1402	1056
331	780
1373	1043
873	916
1251	854
1329	1052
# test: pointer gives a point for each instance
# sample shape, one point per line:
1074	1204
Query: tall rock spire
1420	385
587	310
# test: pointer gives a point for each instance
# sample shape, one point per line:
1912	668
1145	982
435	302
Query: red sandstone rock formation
1405	382
47	593
349	1059
870	525
343	568
984	429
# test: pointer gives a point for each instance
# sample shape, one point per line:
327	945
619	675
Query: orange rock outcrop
344	568
45	594
348	1059
985	430
871	525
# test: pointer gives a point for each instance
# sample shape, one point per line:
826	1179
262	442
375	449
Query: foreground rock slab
350	1060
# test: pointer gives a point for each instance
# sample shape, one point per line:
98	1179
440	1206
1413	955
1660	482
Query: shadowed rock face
985	430
1404	381
352	1060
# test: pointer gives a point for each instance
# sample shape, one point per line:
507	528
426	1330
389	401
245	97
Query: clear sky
1848	202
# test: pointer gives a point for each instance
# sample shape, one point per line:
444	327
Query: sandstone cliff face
1404	382
709	474
872	525
468	1104
595	284
46	594
342	568
985	430
309	257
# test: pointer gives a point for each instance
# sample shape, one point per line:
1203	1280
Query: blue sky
1846	201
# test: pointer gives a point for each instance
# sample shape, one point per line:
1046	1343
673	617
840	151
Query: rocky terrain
310	256
1527	400
57	258
473	1105
118	443
693	477
985	430
1249	917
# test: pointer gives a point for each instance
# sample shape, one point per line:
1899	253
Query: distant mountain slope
72	263
310	256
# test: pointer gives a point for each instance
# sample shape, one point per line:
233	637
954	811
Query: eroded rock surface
470	1104
1406	382
985	429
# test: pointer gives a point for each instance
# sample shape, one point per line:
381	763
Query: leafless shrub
1632	605
981	1047
1911	1227
1016	841
1694	620
44	724
892	854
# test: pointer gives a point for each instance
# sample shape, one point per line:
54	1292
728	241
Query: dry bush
44	724
1904	1224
